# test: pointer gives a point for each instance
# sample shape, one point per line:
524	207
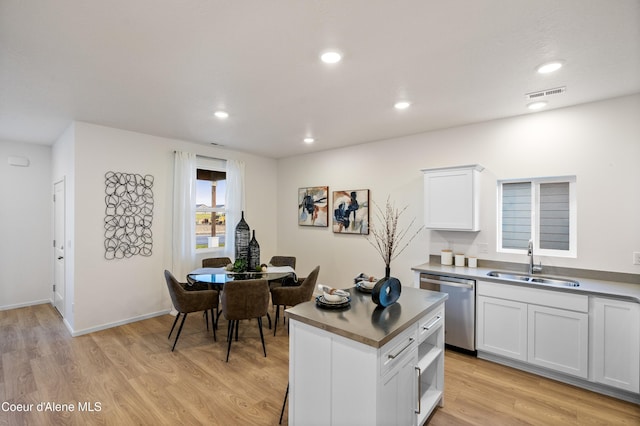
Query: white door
58	246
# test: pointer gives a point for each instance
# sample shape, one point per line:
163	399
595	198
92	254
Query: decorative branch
385	236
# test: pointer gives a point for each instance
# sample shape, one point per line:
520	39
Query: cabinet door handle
393	356
419	388
434	322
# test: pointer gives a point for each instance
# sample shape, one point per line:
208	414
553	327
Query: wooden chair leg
179	331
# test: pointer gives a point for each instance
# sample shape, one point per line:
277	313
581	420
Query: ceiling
164	67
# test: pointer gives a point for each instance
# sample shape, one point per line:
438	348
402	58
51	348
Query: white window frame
217	165
535	215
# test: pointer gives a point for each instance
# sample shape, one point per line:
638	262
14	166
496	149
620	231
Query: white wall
108	292
597	142
26	262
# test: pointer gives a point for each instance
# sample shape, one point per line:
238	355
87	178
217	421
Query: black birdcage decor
242	239
254	253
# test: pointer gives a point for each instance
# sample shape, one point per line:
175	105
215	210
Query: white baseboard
76	333
23	305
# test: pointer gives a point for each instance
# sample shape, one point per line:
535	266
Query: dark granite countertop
363	321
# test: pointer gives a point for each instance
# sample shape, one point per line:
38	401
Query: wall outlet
483	247
636	257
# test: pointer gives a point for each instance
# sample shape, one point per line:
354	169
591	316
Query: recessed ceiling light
537	105
549	67
402	105
331	57
221	114
309	140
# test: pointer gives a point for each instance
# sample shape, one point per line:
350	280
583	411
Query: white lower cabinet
502	327
594	340
616	343
398	393
558	340
513	323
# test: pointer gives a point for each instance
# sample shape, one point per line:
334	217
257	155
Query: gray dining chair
292	295
215	262
187	302
244	299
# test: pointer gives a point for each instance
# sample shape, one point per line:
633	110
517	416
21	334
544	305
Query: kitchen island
364	364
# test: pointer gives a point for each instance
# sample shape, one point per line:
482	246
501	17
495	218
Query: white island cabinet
367	365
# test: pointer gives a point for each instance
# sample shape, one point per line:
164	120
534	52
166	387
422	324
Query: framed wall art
351	211
313	206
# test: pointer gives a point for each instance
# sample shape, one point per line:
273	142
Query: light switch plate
636	257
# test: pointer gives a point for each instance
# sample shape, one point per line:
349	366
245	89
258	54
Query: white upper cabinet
451	198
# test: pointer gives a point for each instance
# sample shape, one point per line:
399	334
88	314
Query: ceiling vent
543	94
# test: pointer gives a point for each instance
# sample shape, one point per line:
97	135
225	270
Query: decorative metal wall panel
128	215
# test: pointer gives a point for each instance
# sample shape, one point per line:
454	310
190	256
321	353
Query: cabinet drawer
535	296
393	352
429	324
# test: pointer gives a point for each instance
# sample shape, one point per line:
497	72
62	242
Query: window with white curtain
542	210
210	211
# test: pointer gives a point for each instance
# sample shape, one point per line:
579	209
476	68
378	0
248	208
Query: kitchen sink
509	276
532	279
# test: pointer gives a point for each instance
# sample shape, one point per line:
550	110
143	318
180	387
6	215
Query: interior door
58	245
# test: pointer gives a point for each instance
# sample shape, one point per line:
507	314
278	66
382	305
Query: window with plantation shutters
541	210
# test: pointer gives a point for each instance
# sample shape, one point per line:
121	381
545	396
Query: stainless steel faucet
533	268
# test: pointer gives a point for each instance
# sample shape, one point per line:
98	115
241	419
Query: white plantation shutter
516	215
554	216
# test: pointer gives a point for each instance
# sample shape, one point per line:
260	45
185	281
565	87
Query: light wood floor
132	374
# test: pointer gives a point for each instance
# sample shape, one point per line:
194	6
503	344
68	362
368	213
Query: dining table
217	277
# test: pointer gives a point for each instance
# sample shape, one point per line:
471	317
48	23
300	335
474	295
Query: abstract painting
313	206
351	212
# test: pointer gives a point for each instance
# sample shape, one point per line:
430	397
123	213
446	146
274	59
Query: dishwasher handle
466	284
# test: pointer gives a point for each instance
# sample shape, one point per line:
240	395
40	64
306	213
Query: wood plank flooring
128	375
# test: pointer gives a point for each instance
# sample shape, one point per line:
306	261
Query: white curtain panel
234	204
184	210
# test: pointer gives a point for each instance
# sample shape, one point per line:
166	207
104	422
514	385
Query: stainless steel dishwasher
460	308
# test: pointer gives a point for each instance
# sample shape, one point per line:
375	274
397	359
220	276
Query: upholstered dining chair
283	261
216	262
291	296
244	299
186	302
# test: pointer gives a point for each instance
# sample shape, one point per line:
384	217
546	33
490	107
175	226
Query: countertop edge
363	339
611	289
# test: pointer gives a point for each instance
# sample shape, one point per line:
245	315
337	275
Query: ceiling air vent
545	93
